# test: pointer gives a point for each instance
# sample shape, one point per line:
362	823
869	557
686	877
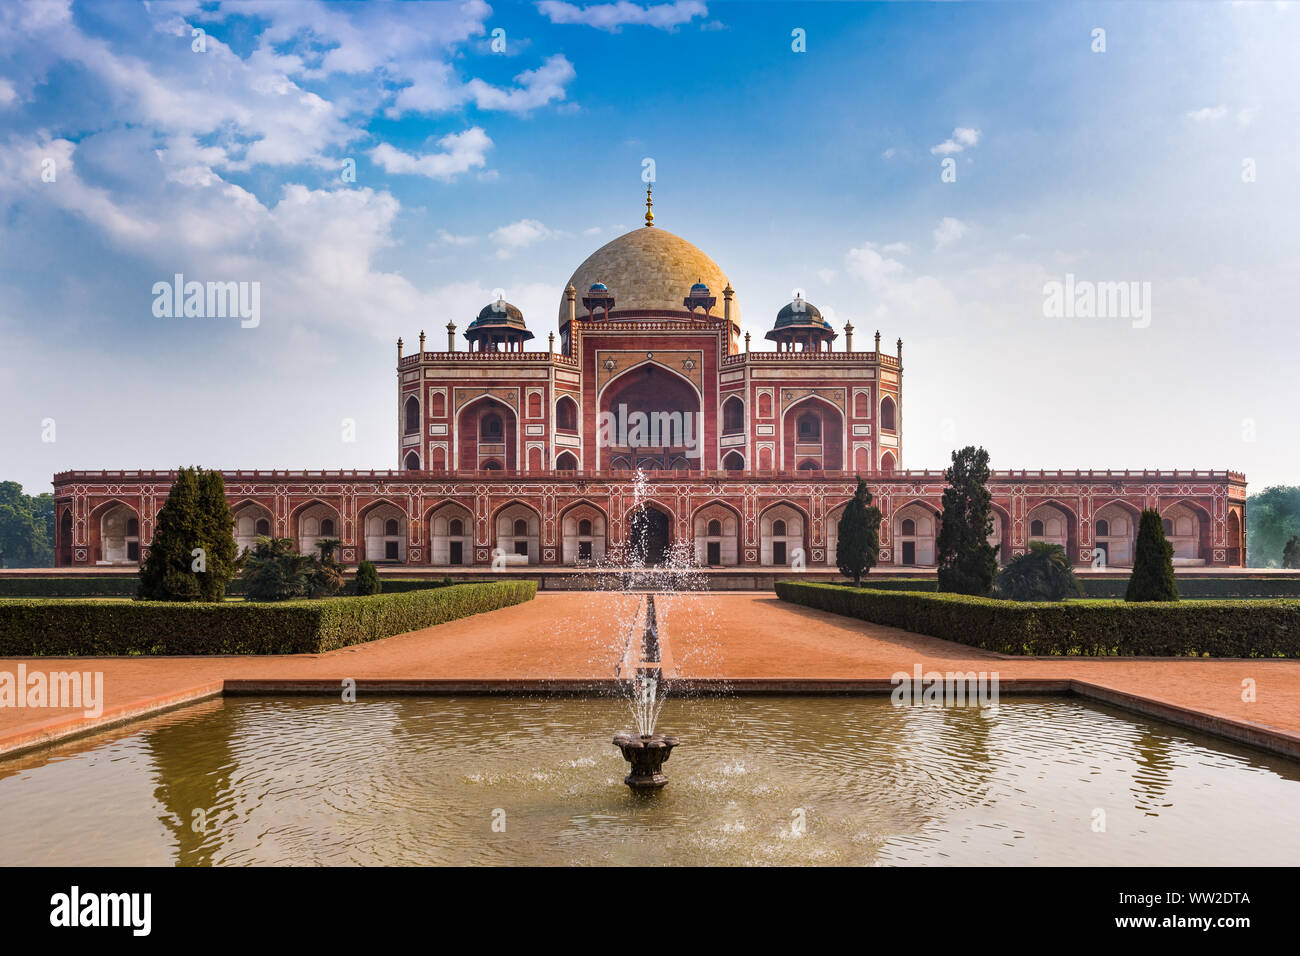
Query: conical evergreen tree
1291	553
1153	564
368	579
166	574
857	544
217	537
967	562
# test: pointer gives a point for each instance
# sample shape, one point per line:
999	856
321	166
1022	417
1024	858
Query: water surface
490	780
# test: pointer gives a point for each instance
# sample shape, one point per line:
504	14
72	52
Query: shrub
86	627
368	579
1153	563
274	571
1118	628
1042	573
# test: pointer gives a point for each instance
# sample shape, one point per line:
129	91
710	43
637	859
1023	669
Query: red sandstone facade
503	450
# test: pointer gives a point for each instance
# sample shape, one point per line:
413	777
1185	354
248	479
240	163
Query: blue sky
479	169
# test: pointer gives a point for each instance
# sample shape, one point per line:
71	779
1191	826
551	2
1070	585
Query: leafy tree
1272	518
1042	573
167	573
368	579
1291	553
217	537
857	544
26	528
967	562
1153	562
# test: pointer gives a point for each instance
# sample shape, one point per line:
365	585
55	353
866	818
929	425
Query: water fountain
645	750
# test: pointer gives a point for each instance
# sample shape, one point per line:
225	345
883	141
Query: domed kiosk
801	327
499	327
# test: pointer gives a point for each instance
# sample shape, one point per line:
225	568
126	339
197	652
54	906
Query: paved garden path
580	636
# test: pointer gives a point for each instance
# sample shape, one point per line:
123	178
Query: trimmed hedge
125	586
75	628
1205	588
1196	628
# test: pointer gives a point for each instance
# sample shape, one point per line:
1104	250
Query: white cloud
518	235
889	153
876	270
461	152
1247	115
896	248
7	92
962	137
1206	113
949	230
612	16
449	239
536	88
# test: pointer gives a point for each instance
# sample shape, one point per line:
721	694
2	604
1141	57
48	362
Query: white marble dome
649	268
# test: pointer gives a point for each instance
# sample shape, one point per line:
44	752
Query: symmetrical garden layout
751	643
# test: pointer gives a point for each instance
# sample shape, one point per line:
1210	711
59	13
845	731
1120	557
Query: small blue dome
699	288
598	287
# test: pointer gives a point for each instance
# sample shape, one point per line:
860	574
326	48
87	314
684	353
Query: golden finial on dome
649	216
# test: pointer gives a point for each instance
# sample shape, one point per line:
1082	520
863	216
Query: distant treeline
1272	519
26	528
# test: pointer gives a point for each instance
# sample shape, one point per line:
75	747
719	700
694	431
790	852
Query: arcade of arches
724	531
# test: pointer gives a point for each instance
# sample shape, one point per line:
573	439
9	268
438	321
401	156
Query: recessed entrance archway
649	535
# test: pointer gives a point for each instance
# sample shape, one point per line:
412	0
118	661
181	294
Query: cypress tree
217	537
1291	553
967	562
178	529
1153	564
857	544
368	579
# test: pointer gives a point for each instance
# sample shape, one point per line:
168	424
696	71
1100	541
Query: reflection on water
831	780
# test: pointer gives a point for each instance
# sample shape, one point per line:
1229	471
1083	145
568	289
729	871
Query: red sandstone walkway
580	636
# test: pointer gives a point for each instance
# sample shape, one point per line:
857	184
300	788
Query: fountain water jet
645	750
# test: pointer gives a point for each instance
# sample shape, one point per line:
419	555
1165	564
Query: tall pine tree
967	562
1153	564
217	538
857	543
167	573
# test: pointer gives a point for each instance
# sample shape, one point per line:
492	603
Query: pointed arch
311	521
516	532
384	531
451	533
584	528
783	543
115	532
411	409
813	430
716	527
